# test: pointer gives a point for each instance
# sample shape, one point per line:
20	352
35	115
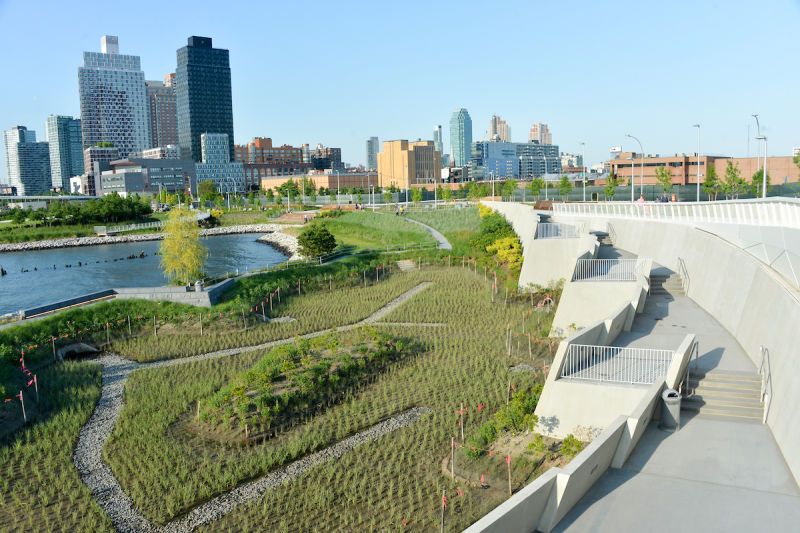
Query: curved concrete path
105	487
444	244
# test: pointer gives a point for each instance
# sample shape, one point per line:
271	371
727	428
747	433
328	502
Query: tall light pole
583	170
764	176
758	136
337	187
641	180
698	160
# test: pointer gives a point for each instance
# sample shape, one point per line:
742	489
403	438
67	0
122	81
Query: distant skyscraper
372	153
203	91
216	164
66	151
540	133
498	126
461	136
439	144
27	161
113	99
162	112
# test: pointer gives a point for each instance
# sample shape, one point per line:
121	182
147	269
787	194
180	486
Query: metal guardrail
776	211
556	230
641	366
144	225
695	352
607	270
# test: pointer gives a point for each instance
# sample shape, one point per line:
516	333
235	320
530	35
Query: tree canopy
182	255
316	240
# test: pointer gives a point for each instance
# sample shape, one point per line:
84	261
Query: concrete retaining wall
751	300
182	295
66	303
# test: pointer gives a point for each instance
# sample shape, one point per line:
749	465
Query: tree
416	194
447	194
612	182
251	199
316	240
509	187
387	197
664	177
734	184
270	195
711	184
564	187
757	181
182	255
332	195
535	186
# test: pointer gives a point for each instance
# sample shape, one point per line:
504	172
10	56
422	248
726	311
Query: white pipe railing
607	270
777	211
556	230
615	364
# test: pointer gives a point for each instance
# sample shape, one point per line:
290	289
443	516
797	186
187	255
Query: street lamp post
583	170
641	180
758	136
633	165
337	187
764	176
698	161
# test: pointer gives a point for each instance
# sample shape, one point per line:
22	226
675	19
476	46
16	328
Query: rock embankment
115	239
283	242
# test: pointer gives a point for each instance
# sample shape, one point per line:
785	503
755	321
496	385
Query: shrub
316	240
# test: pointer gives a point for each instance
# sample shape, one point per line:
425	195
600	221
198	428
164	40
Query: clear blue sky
339	72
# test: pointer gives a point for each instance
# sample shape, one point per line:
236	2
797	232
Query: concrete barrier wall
585	302
637	423
182	295
752	301
66	303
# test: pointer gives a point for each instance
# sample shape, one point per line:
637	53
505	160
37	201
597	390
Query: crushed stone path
105	487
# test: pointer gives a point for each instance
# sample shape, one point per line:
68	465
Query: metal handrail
683	272
687	376
607	270
612	233
615	364
766	381
556	230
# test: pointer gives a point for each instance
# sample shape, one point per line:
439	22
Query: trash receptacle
670	410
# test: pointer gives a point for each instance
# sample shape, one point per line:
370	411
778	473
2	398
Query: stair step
702	400
734	412
406	265
747	380
724	388
726	394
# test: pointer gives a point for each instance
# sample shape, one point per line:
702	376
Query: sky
337	73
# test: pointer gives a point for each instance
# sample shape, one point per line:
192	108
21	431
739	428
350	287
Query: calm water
107	266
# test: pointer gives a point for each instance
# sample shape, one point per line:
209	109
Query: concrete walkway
444	244
715	474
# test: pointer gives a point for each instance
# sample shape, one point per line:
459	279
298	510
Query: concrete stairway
406	265
722	394
666	284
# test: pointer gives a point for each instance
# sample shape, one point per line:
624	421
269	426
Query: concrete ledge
637	423
25	313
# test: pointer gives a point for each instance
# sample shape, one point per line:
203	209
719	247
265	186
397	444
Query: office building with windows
27	161
113	99
501	160
203	96
149	176
372	153
540	133
66	150
498	129
216	164
325	157
162	112
461	137
403	164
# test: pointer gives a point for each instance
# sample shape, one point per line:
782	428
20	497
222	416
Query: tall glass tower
461	136
66	152
27	161
113	99
372	153
203	95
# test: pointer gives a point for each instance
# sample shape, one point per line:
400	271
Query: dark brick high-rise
203	93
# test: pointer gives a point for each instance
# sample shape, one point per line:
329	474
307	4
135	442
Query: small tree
734	184
387	197
270	195
509	187
207	191
251	199
416	194
612	182
757	182
564	187
664	177
711	184
332	196
535	186
447	194
182	255
316	240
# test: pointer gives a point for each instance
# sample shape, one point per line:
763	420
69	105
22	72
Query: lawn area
458	225
11	233
366	229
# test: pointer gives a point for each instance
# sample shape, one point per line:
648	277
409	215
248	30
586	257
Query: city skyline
606	83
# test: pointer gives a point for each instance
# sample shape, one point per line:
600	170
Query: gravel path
120	509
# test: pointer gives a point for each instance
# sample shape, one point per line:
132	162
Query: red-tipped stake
508	463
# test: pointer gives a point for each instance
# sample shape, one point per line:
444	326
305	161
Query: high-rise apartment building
162	112
261	150
324	157
513	160
203	95
216	164
372	153
113	99
438	143
540	133
498	127
571	160
402	163
461	136
27	161
66	150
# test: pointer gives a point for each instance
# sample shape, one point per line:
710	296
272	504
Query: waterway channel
32	279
